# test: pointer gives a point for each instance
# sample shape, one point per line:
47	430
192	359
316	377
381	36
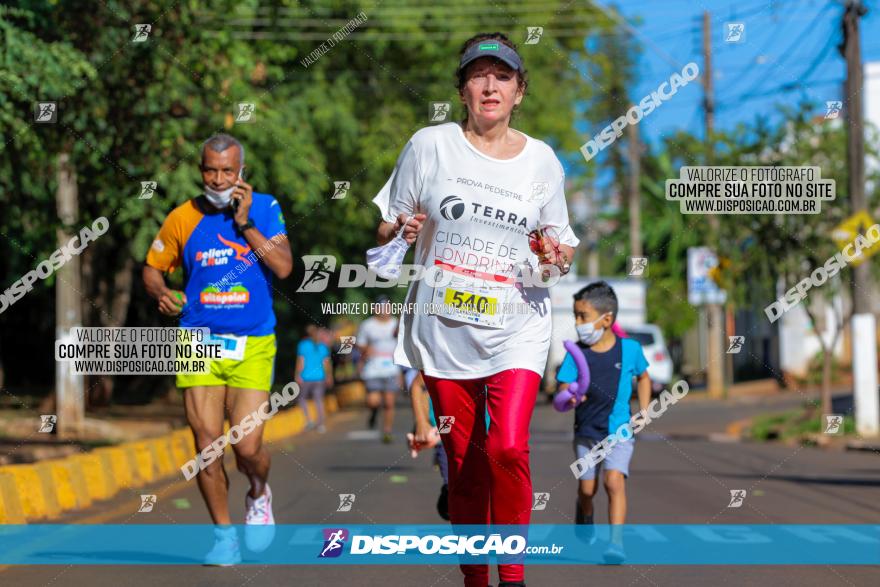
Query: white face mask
219	199
588	333
385	261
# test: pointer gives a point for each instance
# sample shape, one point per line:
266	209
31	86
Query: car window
643	338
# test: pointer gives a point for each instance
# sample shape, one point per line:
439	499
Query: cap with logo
492	48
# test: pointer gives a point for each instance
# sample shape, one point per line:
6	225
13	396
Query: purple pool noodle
578	388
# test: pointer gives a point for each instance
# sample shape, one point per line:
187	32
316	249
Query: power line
785	54
613	15
368	37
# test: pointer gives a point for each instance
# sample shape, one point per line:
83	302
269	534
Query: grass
800	424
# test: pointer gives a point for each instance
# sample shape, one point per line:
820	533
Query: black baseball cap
492	48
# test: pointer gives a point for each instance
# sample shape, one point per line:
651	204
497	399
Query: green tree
132	112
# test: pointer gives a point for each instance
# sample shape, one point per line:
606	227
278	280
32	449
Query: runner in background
208	236
425	434
377	338
473	192
314	374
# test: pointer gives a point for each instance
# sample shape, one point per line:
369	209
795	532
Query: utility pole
715	359
592	232
635	210
864	328
69	389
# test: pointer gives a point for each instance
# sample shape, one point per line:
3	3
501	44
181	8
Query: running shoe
387	438
225	552
443	502
321	429
614	555
584	528
259	522
310	426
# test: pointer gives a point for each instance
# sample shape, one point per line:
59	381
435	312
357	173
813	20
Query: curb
45	490
735	429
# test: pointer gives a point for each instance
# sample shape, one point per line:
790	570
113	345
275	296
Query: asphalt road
673	481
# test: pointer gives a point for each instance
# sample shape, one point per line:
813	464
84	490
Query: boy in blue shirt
314	374
613	362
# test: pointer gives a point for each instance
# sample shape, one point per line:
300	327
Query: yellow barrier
351	394
120	470
78	483
30	490
58	474
144	464
10	506
44	490
162	456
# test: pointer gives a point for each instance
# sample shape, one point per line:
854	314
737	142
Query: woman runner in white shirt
473	191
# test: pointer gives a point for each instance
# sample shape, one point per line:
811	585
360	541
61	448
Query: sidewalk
699	416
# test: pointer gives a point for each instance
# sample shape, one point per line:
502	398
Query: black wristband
243	227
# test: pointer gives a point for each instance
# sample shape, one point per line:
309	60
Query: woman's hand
413	227
559	255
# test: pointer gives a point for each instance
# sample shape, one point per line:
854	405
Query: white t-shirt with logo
379	335
479	213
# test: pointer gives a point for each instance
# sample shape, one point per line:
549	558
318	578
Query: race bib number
231	347
473	304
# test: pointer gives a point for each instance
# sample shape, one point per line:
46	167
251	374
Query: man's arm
171	301
275	253
421	414
424	435
385	232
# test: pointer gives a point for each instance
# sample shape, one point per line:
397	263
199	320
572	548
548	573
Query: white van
654	347
630	293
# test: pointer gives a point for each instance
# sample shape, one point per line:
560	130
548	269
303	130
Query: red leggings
489	476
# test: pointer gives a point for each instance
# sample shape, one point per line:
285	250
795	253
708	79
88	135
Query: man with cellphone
230	242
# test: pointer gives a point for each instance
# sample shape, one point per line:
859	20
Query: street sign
845	232
701	288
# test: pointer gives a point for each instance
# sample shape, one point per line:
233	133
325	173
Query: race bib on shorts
231	347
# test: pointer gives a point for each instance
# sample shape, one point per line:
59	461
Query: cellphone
240	176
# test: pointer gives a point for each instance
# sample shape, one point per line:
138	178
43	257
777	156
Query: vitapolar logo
237	295
452	207
334	542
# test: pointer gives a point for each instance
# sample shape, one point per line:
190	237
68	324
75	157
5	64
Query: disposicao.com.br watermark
56	261
646	105
848	254
320	268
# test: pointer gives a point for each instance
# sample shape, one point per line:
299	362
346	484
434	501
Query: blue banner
638	544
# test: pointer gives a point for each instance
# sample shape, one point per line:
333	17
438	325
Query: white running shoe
225	552
259	522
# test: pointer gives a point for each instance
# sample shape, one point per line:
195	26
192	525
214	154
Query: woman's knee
507	453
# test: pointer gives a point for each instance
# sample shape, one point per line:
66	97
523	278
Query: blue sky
786	42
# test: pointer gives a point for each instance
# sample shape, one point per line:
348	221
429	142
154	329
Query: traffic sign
846	232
